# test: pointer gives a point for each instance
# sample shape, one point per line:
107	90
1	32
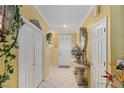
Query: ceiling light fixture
65	26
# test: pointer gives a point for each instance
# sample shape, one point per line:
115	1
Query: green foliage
5	51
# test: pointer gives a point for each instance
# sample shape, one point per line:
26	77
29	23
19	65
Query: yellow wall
55	48
117	37
117	32
77	37
13	82
90	22
28	12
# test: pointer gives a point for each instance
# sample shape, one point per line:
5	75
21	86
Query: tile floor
60	78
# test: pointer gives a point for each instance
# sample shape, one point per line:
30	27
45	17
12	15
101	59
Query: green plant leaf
5	61
11	70
7	47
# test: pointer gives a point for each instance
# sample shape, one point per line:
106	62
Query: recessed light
64	26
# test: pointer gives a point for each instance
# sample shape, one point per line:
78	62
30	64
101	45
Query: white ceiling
59	15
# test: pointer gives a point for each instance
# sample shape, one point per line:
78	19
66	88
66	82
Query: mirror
83	42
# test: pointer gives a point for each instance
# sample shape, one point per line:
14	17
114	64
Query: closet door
38	58
30	59
31	56
22	58
26	57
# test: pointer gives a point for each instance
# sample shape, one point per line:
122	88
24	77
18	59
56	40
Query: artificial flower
113	64
122	78
108	76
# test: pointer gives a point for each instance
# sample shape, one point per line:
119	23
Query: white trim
105	18
41	14
82	22
74	31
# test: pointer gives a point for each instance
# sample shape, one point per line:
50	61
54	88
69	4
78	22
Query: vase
77	58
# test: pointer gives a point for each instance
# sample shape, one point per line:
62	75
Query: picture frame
7	13
1	15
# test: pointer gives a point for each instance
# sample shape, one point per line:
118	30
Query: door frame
43	59
59	47
104	19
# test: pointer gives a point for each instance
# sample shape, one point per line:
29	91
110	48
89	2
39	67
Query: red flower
108	76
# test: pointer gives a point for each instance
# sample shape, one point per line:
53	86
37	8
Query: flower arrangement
118	75
76	51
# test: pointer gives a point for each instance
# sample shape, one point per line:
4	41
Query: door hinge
104	63
104	29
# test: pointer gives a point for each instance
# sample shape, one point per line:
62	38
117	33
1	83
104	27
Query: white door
30	59
22	58
98	53
26	57
64	50
31	56
39	50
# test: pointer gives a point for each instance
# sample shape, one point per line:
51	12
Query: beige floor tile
59	78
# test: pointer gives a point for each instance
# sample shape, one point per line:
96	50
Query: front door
98	53
64	50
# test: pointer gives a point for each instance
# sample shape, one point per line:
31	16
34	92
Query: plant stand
80	77
79	71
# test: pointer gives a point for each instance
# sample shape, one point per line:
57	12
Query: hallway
61	46
59	78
